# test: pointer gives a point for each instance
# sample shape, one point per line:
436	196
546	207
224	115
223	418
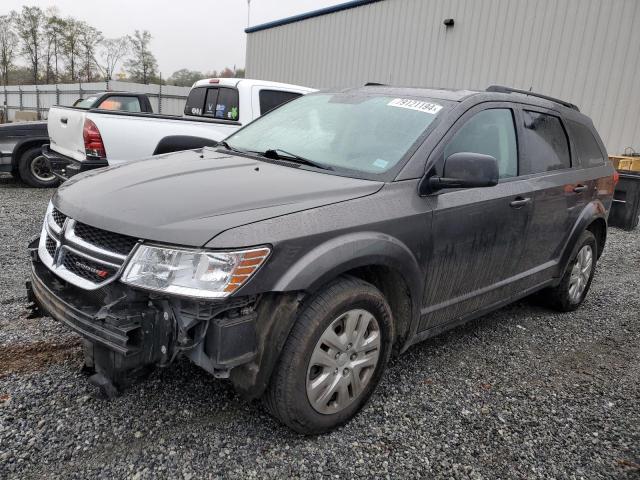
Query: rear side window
195	101
125	104
270	99
490	132
546	142
587	147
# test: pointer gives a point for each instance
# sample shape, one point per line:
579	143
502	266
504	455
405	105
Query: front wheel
577	278
333	359
34	169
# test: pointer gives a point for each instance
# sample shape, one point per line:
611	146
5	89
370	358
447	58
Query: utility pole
248	13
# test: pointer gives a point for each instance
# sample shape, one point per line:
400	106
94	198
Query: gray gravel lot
521	393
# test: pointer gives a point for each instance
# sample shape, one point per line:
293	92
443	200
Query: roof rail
501	89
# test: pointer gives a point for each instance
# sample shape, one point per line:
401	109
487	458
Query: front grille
58	217
50	246
82	255
87	269
113	242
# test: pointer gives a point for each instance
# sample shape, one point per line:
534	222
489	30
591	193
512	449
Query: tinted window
222	103
546	142
211	103
587	147
195	102
490	132
270	99
228	104
125	104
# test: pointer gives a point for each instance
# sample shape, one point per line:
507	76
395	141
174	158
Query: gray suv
341	228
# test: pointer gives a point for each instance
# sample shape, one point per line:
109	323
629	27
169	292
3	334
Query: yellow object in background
631	164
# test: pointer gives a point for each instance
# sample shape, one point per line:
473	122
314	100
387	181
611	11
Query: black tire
559	297
286	397
32	173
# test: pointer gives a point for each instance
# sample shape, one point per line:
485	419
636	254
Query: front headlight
194	273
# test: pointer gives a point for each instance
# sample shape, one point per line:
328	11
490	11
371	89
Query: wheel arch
592	218
379	259
24	145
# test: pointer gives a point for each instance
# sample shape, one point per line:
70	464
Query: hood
187	198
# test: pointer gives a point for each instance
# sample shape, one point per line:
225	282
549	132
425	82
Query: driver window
489	132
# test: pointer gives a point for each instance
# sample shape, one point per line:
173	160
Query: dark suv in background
341	227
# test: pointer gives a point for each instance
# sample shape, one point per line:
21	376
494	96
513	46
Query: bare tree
142	66
111	51
8	47
29	24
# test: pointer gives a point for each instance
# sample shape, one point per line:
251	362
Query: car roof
461	95
233	82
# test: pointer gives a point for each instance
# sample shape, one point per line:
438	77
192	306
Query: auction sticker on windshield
426	107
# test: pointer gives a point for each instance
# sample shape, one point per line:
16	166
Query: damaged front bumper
126	331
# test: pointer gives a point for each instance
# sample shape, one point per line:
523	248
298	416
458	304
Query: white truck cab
216	107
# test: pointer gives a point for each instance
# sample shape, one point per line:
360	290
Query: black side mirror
464	170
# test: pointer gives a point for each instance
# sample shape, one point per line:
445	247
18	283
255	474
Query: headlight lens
193	273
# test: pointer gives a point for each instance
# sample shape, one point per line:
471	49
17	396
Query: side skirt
438	329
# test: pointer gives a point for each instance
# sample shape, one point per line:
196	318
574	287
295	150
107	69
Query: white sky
195	34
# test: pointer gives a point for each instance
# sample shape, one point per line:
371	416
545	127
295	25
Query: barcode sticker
426	107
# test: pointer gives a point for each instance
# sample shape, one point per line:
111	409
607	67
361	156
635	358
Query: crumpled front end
126	331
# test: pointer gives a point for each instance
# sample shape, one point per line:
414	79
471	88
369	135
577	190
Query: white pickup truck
83	139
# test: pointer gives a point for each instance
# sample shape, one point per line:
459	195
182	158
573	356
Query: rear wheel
577	278
333	358
34	170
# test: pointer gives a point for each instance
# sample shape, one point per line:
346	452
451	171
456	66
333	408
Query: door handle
520	202
580	188
64	120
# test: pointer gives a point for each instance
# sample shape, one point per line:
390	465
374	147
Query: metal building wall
584	51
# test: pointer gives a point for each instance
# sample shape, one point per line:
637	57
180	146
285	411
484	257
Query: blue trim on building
315	13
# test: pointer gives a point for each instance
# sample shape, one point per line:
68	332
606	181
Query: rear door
479	233
560	191
65	131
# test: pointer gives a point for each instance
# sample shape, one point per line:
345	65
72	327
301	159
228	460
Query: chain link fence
165	99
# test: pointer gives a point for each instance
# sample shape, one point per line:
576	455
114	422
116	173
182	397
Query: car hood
187	198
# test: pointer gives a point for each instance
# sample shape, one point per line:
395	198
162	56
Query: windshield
361	132
85	103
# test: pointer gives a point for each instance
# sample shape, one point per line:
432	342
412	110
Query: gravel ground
521	393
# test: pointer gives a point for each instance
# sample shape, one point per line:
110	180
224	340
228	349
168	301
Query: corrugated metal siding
584	51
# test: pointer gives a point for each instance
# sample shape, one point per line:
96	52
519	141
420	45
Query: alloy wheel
580	273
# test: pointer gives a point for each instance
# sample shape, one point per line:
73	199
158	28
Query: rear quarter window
546	142
270	99
587	147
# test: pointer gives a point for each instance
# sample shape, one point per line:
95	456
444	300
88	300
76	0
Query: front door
479	234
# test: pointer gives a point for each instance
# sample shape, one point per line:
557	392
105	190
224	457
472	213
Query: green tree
72	47
185	77
142	66
29	25
90	37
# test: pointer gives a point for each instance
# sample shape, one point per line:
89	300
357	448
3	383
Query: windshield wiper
277	154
